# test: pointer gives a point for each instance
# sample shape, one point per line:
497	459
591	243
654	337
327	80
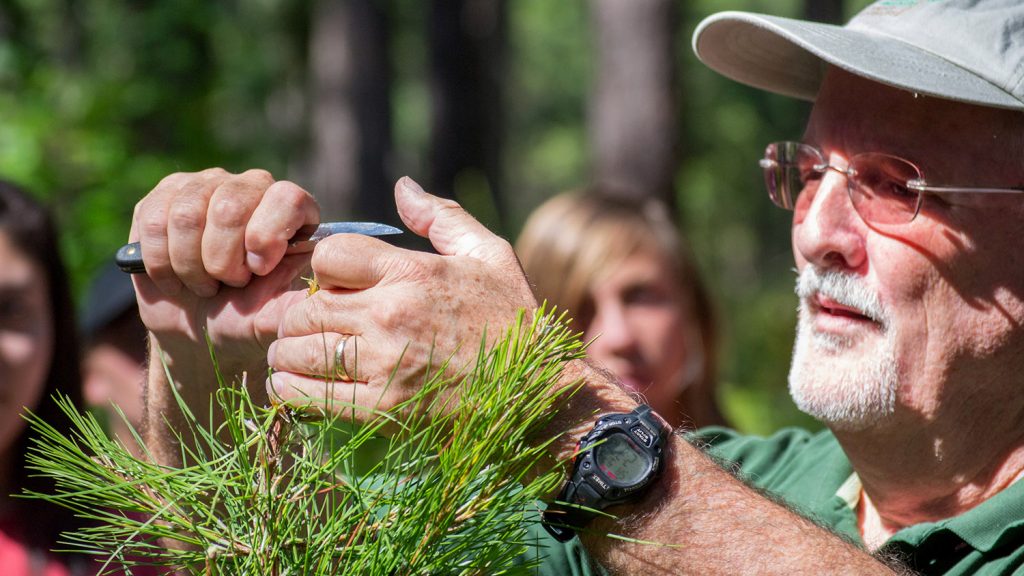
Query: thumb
451	230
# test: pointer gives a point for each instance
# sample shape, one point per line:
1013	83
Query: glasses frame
787	200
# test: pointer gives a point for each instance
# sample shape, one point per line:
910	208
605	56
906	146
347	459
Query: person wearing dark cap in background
113	361
907	218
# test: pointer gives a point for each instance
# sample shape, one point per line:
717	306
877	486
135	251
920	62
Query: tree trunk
633	122
467	49
350	116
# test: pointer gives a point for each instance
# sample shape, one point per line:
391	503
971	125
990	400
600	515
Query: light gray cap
966	50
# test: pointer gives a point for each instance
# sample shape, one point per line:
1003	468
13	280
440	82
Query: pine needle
272	492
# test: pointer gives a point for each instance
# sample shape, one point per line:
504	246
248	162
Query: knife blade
129	256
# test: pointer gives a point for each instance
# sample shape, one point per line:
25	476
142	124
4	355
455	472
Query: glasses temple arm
920	186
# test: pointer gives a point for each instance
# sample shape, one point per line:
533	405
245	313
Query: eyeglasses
884	189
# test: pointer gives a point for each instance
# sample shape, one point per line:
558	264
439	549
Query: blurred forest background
496	103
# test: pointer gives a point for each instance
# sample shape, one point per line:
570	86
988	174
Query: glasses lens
789	168
878	188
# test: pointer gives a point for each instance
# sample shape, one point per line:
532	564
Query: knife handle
129	258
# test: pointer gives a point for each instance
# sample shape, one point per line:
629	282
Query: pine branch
269	492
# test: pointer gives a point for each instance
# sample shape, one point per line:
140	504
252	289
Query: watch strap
578	501
571	509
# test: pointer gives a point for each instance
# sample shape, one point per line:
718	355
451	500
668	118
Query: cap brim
788	57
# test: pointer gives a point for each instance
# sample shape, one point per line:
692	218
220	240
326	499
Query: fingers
360	402
200	230
223	238
334	373
357	262
322	372
339	311
451	230
151	224
285	208
286	290
327	355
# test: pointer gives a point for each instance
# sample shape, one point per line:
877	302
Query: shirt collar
993	522
985	527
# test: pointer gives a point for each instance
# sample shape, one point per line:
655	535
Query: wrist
195	361
616	462
588	392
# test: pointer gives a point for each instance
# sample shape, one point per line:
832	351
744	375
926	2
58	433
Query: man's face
910	324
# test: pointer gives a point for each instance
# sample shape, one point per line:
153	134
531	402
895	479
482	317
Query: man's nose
826	228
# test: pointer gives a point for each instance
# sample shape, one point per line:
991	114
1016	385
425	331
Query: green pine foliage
270	491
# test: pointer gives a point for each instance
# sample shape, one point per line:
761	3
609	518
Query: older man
910	347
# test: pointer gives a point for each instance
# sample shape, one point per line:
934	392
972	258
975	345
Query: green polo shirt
812	475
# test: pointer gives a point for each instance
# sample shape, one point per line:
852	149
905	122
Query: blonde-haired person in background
623	271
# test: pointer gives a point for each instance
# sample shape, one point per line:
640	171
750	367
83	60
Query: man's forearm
195	381
701	518
705	521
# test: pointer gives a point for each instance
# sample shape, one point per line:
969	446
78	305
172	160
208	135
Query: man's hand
402	311
214	247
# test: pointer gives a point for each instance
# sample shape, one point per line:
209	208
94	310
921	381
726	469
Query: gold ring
339	357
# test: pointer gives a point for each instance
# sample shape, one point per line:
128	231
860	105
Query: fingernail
271	353
255	262
411	186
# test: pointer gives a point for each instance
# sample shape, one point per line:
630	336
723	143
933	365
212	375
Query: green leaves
269	492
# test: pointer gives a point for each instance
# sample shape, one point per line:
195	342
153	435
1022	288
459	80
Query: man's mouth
826	305
839	304
830	316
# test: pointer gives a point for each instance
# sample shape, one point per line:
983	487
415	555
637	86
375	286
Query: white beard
847	383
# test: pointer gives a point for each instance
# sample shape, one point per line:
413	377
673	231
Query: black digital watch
615	463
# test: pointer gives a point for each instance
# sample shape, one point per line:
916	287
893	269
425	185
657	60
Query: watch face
621	460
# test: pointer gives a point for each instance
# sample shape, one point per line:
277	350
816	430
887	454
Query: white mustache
846	289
